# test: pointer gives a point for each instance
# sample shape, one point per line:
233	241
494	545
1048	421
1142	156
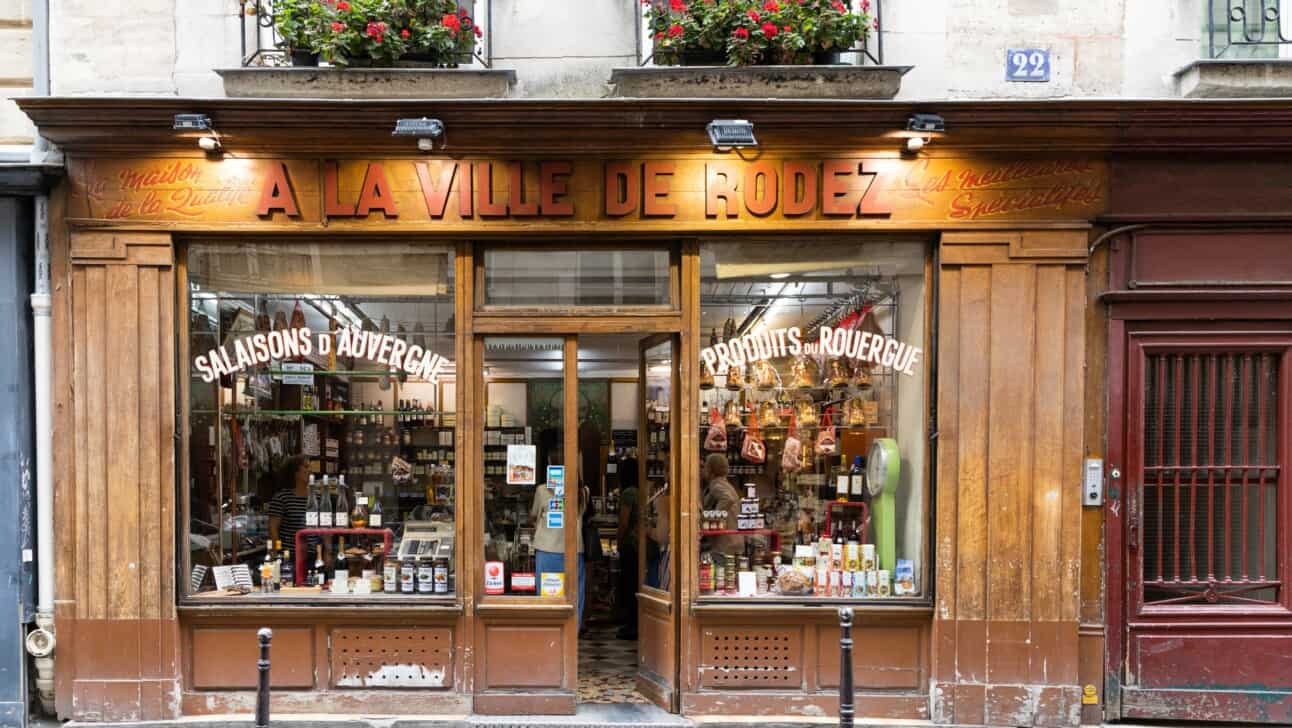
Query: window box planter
367	83
789	82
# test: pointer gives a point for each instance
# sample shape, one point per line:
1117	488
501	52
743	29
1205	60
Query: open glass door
657	601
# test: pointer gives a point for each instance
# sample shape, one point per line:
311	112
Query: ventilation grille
392	658
751	657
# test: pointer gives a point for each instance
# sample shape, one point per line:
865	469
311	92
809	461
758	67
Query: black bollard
847	706
262	690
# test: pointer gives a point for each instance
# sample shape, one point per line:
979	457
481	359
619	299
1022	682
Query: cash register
429	540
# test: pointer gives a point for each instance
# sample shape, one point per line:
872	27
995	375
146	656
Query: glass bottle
341	517
359	515
857	479
311	505
374	513
325	506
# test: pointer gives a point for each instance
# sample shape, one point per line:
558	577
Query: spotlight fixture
192	122
209	141
425	130
926	123
920	130
731	134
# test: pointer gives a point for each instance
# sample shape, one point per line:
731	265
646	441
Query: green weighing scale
883	471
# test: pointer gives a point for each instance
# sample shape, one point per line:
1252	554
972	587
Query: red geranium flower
754	16
405	34
865	6
787	29
741	33
771	6
479	33
677	5
462	12
342	5
876	23
839	7
376	30
675	30
659	35
338	27
451	22
770	30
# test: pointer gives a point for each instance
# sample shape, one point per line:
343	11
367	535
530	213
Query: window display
813	412
322	410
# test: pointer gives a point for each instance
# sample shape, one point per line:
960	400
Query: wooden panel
225	657
523	656
657	645
368	657
1011	436
1251	658
1232	257
118	432
883	658
751	657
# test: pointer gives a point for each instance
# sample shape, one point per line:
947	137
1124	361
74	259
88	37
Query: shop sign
698	191
262	348
860	346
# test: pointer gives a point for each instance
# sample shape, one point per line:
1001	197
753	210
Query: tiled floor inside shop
607	667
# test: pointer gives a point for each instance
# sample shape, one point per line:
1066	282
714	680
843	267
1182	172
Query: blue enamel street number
1027	65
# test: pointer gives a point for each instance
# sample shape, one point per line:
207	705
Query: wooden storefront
1007	628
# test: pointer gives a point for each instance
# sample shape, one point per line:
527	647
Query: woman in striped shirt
287	507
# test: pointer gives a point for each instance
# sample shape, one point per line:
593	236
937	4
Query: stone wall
15	72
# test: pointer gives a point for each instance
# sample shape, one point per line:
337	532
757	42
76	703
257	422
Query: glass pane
587	277
1211	464
655	510
524	498
321	452
813	421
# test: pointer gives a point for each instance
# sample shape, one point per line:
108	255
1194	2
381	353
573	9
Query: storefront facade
994	401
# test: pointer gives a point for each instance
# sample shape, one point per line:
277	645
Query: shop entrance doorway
580	495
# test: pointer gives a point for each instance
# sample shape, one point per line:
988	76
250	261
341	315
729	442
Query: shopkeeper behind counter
287	507
720	495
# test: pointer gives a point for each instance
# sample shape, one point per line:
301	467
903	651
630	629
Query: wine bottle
374	513
836	547
341	515
841	485
857	478
325	506
359	516
340	571
311	505
287	574
319	570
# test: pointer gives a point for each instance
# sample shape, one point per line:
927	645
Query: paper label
521	582
302	373
494	577
555	519
556	477
520	464
553	585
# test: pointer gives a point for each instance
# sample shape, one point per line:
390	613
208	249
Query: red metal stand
849	505
302	534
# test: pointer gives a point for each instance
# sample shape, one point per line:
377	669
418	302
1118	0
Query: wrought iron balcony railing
1249	29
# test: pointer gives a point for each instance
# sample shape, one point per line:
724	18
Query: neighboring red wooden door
1206	526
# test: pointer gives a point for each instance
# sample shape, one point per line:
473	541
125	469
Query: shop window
320	443
587	277
524	467
813	421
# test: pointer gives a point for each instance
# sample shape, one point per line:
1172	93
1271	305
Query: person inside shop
658	572
287	506
549	543
627	533
720	495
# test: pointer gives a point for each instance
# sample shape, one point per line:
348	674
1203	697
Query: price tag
1027	65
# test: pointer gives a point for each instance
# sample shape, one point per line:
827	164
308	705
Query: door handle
1132	518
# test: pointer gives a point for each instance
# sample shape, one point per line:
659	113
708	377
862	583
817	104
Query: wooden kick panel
751	656
392	658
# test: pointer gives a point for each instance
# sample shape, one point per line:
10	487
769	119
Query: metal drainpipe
40	641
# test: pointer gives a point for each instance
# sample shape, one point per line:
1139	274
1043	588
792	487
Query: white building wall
566	48
15	73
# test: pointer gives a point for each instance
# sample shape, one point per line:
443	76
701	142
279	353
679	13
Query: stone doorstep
1235	79
307	82
786	82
